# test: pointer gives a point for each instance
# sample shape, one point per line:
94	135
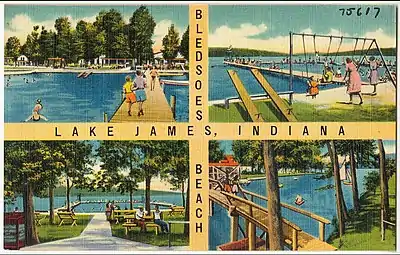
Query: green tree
13	48
215	152
184	47
112	24
28	166
383	181
86	42
64	39
46	44
371	182
170	43
119	168
32	49
140	32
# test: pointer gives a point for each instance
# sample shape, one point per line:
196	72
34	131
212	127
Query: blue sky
259	26
390	146
19	19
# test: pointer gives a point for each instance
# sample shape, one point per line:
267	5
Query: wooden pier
155	108
299	74
256	216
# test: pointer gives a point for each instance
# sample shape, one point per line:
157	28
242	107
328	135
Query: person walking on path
130	96
139	85
154	75
354	81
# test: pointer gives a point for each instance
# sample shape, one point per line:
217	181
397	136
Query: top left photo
96	63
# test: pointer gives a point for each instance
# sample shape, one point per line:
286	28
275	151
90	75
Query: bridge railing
292	230
321	220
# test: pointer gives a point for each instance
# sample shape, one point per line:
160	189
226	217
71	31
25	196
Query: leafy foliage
184	47
171	43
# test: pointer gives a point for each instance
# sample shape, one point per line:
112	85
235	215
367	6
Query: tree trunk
187	212
31	236
147	194
338	187
356	200
131	199
51	205
67	196
183	193
275	232
383	182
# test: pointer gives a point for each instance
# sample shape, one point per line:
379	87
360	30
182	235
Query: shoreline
288	175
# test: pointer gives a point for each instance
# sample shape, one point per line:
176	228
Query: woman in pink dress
354	81
373	72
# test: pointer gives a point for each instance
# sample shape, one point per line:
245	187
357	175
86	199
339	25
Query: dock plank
155	108
246	99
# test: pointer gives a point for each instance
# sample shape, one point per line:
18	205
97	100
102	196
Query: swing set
364	53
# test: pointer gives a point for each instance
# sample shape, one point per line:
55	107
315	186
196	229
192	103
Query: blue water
321	202
221	86
182	97
42	204
68	99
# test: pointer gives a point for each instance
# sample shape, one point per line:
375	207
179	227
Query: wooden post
173	105
211	209
321	231
226	104
252	236
290	66
266	241
105	118
382	226
294	239
246	225
234	227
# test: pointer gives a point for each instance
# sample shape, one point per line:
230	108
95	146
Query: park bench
129	223
67	216
39	217
176	209
118	215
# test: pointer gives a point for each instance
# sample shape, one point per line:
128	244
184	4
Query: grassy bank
178	238
49	233
363	230
305	112
248	176
60	191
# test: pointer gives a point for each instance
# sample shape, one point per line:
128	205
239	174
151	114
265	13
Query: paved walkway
97	236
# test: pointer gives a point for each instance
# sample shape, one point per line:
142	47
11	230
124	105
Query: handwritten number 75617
360	11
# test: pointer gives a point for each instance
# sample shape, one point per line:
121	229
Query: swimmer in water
36	116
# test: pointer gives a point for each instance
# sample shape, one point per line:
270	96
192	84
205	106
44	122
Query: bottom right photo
325	195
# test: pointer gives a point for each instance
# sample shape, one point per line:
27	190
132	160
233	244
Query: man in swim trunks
130	96
139	85
153	74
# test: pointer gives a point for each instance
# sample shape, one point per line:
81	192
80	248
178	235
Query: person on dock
139	218
154	75
139	85
235	187
157	220
327	76
313	89
338	73
130	96
36	116
354	81
373	72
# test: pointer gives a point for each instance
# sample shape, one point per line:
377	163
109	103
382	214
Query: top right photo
308	63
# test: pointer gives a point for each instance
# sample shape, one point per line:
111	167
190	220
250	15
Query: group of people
140	217
134	90
231	186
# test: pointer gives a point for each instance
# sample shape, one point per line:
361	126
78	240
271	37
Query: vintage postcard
215	127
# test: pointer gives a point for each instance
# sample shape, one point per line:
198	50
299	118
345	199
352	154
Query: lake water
320	202
42	204
221	86
68	99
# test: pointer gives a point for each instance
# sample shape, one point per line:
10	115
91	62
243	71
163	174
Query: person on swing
354	81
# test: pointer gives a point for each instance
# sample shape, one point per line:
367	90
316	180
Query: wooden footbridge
155	108
256	216
278	102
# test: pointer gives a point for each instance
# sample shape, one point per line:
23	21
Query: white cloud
161	30
241	37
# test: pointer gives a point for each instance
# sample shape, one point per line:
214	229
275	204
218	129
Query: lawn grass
178	238
363	230
305	112
49	233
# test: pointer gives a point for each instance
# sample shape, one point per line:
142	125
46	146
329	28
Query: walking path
97	236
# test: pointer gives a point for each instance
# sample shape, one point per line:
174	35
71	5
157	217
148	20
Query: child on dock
139	85
130	97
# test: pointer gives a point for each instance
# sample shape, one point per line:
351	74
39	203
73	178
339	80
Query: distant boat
175	83
280	185
295	178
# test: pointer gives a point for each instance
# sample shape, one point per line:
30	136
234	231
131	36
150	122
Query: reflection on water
320	202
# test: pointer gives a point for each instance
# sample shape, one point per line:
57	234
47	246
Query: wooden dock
293	236
299	74
155	108
246	99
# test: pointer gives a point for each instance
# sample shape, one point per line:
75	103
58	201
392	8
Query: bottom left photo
96	195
